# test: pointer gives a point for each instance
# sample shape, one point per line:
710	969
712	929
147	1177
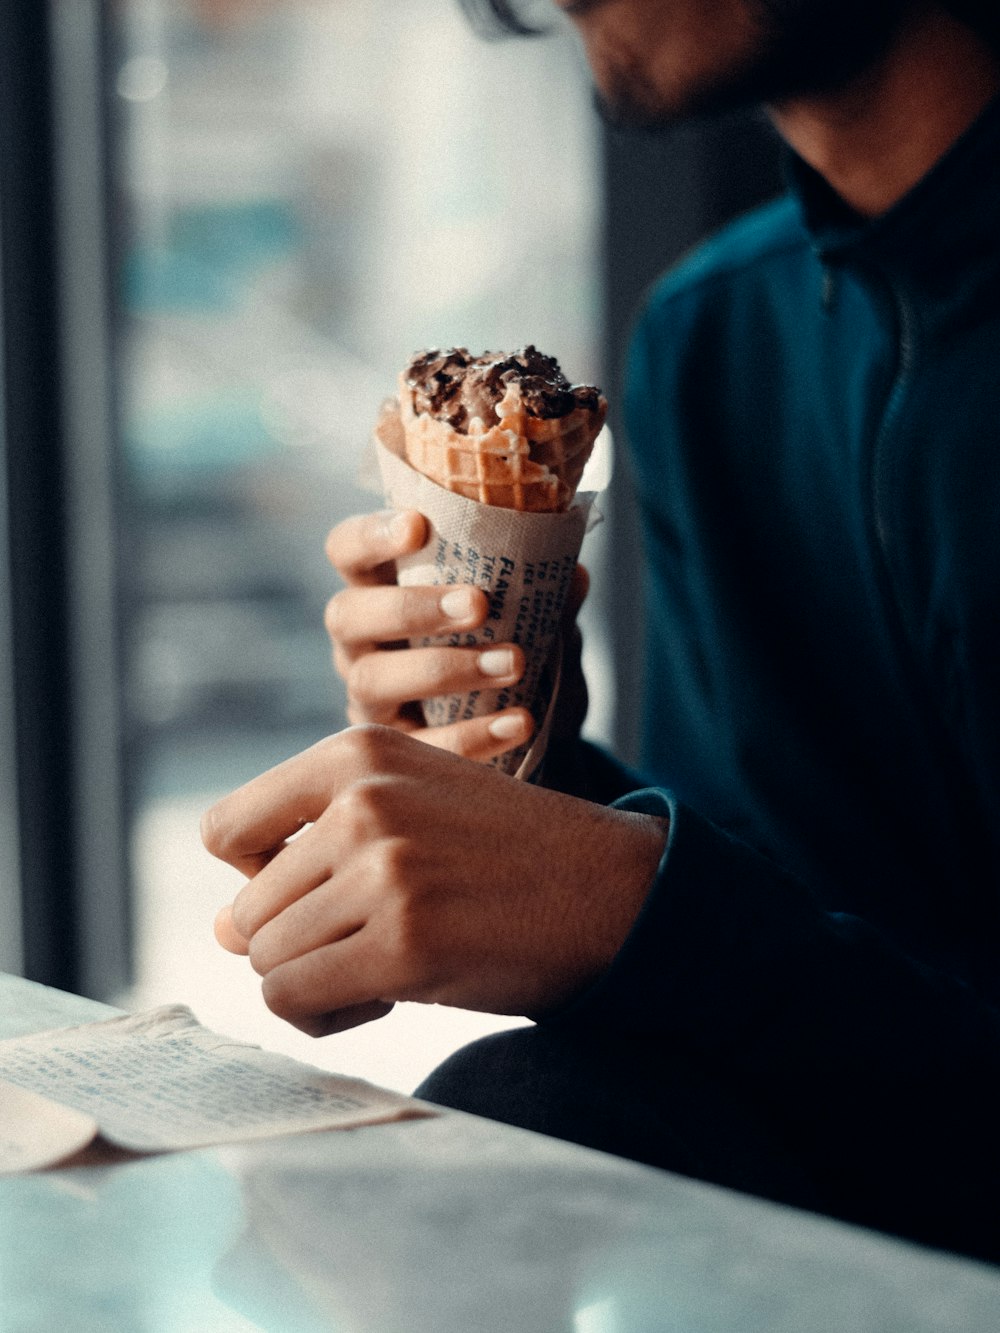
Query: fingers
331	988
363	548
481	738
226	933
326	1025
379	685
360	618
312	896
271	904
248	828
308	940
333	999
253	828
384	686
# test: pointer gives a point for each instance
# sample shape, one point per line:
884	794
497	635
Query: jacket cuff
717	910
584	769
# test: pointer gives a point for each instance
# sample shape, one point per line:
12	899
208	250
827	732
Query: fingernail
395	525
509	727
457	604
497	662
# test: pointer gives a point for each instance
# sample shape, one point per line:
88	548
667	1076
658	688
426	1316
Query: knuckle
362	745
278	995
459	738
342	662
416	606
338	543
362	679
409	532
419	609
362	810
443	669
259	956
334	616
388	864
216	832
381	714
370	752
245	921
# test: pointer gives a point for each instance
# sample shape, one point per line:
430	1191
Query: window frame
66	891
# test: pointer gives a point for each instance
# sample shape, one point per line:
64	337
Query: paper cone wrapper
523	561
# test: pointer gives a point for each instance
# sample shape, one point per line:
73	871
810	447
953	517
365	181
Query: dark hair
500	18
497	18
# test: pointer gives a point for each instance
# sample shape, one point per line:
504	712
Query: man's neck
875	139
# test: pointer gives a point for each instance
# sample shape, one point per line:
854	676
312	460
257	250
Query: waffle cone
527	463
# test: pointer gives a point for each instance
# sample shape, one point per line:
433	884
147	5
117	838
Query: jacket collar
946	230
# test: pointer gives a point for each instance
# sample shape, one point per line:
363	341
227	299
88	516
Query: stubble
793	49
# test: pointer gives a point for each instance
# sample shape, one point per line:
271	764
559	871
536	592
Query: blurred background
224	226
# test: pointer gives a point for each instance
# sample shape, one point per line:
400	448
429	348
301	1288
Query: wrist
635	856
621	853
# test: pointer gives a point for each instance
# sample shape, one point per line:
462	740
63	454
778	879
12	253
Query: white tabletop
443	1225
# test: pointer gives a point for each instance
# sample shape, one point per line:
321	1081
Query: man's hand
371	621
417	875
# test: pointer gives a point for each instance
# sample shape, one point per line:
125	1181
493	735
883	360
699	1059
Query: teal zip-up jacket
814	417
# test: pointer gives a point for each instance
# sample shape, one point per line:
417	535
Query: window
307	192
224	225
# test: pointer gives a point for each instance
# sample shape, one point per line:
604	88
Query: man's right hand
372	620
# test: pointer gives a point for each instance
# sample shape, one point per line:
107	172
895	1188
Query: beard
802	48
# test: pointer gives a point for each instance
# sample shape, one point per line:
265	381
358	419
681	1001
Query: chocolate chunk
454	386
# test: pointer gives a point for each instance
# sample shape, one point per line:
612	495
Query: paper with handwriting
158	1081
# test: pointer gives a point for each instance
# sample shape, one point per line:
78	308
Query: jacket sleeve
581	768
885	1072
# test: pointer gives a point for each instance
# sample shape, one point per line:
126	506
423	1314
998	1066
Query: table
443	1225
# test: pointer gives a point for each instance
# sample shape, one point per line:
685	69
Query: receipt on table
35	1132
159	1081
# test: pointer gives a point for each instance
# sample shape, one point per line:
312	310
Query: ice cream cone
518	459
492	466
512	436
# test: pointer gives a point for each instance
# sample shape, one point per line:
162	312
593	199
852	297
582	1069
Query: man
775	965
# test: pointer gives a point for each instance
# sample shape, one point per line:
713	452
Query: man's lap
613	1094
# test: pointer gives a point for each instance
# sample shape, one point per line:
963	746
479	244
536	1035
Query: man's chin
625	114
629	109
629	103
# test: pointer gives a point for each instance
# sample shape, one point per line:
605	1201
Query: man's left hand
381	869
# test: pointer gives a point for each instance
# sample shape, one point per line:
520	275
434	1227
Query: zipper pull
828	289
